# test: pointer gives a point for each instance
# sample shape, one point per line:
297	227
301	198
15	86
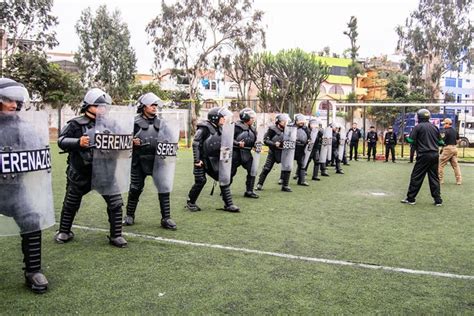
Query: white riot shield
326	145
309	147
112	151
289	146
26	198
258	148
225	159
342	143
165	157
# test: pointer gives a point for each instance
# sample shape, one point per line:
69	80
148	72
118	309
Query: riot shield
165	155
112	150
25	173
225	159
289	146
342	143
258	148
309	147
326	145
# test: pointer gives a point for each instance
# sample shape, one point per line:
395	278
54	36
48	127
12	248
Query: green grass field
337	218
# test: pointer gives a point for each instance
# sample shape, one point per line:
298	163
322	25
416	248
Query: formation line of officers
113	152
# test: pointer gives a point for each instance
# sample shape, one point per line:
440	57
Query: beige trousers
450	154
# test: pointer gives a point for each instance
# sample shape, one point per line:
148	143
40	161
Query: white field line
288	256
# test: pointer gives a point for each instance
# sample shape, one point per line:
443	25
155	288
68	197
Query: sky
310	25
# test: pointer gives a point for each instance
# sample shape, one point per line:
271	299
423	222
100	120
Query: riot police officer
245	136
302	138
426	138
75	139
317	165
336	140
145	131
273	138
29	215
206	153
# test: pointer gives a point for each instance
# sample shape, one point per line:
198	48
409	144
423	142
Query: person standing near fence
426	138
450	152
353	136
390	143
371	143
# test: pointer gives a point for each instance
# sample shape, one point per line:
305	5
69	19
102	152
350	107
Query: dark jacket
425	137
356	135
372	138
79	158
390	138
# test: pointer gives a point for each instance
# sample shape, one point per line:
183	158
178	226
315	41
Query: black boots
114	210
71	204
132	203
31	248
227	198
166	221
302	177
285	177
249	184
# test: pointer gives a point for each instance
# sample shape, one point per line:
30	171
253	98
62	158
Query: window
213	85
234	88
450	82
322	89
468	80
459	83
338	71
466	96
459	98
337	89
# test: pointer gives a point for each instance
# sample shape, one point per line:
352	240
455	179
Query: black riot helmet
216	113
423	115
95	96
10	90
247	114
148	99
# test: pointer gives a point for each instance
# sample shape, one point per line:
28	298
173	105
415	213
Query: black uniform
353	141
79	176
243	156
371	144
274	134
390	142
336	138
315	157
143	160
302	136
14	206
425	138
206	148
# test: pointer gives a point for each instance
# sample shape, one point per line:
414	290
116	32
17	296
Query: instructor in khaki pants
450	152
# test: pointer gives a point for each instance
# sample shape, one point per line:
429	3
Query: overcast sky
310	25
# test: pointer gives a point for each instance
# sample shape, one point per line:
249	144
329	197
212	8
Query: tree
194	35
288	81
354	68
105	56
28	22
46	82
436	38
137	89
238	64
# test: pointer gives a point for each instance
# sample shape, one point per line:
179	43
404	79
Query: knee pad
114	202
